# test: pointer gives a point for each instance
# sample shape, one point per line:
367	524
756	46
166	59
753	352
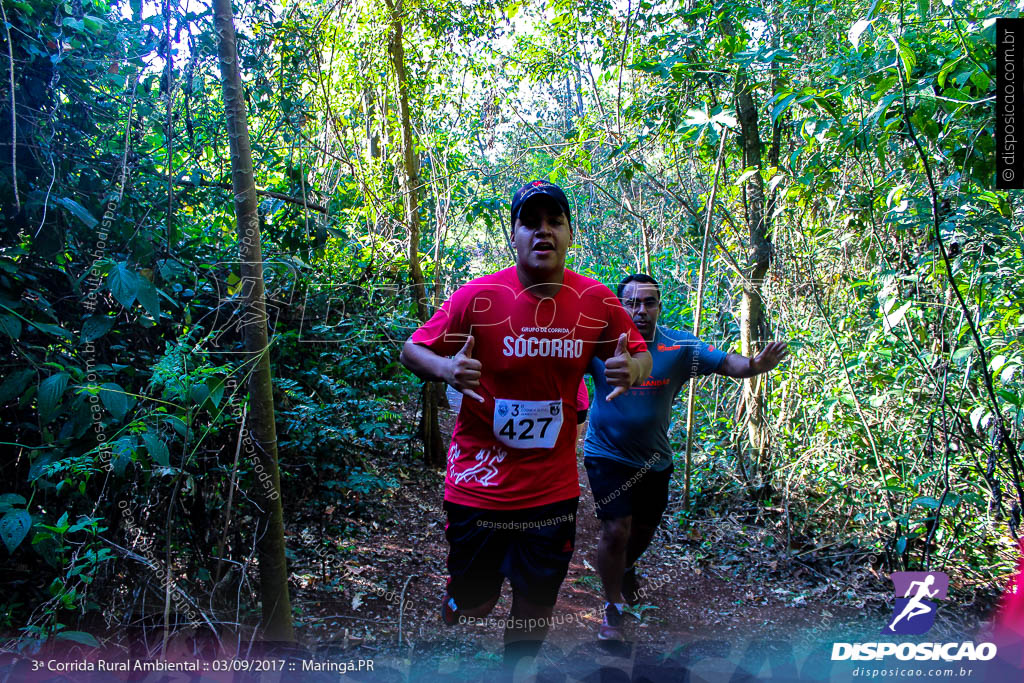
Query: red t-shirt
517	449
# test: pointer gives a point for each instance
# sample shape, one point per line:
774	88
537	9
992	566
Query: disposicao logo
914	614
914	611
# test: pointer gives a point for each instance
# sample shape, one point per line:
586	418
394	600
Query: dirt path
715	586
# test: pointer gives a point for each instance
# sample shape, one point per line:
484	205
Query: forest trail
386	596
222	221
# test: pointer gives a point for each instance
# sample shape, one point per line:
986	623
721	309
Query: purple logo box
914	611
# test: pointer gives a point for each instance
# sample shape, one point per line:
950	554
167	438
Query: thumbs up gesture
463	371
617	369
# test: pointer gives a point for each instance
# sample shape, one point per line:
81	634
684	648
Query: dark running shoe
631	587
611	627
449	612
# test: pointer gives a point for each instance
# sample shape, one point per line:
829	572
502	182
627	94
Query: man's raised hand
617	370
463	371
770	356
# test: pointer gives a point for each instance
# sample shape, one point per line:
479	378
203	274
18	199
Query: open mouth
544	247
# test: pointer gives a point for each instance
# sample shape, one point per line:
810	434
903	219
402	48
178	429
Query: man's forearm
737	366
423	362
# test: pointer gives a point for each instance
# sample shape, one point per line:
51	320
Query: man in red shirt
517	343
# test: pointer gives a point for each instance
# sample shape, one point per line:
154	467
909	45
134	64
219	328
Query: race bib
527	424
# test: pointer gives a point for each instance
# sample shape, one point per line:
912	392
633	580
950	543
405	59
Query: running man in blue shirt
627	452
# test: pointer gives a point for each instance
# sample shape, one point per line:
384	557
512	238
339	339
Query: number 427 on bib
527	424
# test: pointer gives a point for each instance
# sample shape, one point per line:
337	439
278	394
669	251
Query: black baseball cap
534	188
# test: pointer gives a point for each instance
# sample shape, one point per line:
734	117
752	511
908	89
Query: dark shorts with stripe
531	547
624	491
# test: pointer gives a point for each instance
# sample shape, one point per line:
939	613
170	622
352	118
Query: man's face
641	301
541	236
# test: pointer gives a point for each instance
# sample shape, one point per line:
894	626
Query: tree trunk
371	132
579	90
645	245
430	431
776	144
753	328
172	233
277	612
370	112
569	107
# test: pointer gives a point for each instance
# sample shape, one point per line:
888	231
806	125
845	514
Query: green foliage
15	523
120	315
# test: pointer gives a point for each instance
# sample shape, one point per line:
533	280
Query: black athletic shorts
532	547
624	491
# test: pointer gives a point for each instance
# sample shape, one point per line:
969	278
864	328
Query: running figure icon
915	607
914	611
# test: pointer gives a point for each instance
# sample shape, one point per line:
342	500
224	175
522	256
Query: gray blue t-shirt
633	428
